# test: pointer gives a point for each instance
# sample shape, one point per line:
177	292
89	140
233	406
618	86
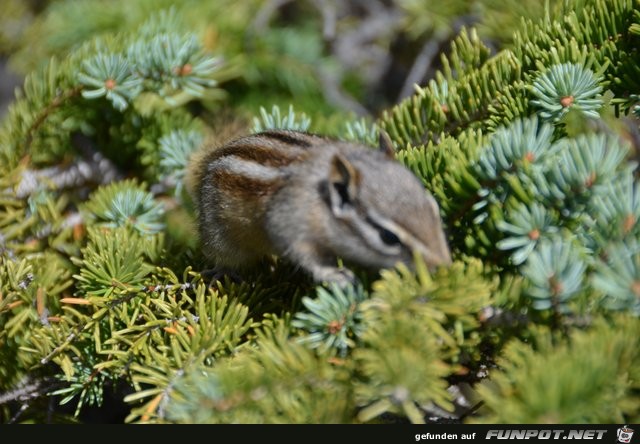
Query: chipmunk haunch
311	200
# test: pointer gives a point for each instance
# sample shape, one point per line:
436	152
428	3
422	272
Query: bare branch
430	50
264	14
27	390
422	64
329	18
334	93
94	168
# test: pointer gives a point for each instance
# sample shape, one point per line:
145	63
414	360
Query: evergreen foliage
526	134
275	120
608	378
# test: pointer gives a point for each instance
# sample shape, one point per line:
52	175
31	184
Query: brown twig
57	101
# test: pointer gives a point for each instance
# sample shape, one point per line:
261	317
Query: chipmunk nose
446	255
435	256
442	259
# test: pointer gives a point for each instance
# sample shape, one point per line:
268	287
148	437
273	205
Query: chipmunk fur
312	200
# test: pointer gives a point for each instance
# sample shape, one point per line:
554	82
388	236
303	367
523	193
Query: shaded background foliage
521	117
352	55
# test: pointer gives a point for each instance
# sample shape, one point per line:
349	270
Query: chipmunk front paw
343	277
213	275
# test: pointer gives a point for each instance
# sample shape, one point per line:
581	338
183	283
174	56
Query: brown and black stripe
252	166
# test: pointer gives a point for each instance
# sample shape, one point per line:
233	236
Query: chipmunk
311	200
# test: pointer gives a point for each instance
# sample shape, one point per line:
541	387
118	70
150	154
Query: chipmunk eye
388	237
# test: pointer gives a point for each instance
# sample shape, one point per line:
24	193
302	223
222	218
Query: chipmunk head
383	210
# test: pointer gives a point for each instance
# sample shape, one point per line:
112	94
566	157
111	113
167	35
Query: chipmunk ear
385	144
344	179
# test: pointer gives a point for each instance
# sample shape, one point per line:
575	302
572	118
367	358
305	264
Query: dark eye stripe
388	237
